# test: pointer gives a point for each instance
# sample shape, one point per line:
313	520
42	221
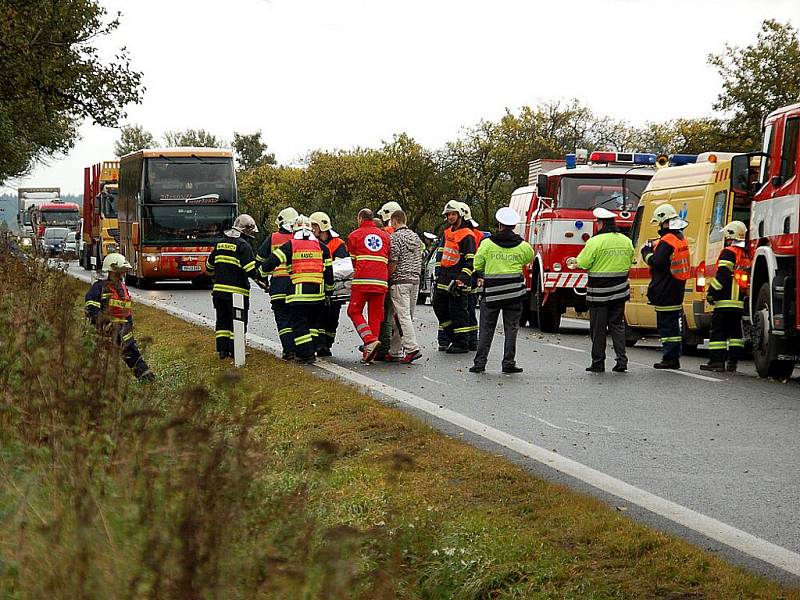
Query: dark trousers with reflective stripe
388	324
725	342
303	318
668	323
123	337
328	325
223	305
451	312
283	321
605	319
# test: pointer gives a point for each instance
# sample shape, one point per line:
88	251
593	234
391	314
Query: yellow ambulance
707	193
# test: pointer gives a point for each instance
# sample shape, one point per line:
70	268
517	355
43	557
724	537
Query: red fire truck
556	209
774	184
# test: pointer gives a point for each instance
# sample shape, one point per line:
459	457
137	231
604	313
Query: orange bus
173	204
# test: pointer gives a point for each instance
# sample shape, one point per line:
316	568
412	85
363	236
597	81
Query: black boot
716	367
668	364
732	366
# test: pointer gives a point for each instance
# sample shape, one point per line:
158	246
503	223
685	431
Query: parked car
427	277
53	241
71	245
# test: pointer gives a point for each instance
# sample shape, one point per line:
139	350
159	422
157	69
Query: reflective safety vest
451	251
277	240
119	303
307	263
679	265
741	273
334	244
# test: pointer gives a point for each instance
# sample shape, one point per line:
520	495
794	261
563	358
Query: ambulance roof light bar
677	160
625	158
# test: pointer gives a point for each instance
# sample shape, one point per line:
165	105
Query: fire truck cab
775	246
557	208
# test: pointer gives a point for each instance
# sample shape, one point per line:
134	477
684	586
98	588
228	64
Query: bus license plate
190	268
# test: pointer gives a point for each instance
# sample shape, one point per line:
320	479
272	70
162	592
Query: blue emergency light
677	160
571	160
641	158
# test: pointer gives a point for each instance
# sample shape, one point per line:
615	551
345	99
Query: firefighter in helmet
108	307
472	298
322	228
311	277
231	264
280	284
453	281
726	292
669	265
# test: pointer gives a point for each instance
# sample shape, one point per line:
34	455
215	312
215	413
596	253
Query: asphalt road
726	446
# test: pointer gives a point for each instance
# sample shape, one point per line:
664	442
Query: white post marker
238	330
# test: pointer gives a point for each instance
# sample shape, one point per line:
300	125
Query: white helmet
452	206
386	211
115	262
663	212
735	230
286	218
245	224
321	220
507	216
302	222
603	213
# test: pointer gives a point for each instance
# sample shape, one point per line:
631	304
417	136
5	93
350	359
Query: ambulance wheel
764	342
689	340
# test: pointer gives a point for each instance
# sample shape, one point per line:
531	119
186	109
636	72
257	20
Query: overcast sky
339	73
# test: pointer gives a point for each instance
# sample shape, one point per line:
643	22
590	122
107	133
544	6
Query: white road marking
433	380
548	423
712	528
563	347
684	373
606	427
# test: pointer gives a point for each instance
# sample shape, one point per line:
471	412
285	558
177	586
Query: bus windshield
611	192
202	180
59	217
181	224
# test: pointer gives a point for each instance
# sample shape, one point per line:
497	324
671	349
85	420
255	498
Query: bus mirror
135	233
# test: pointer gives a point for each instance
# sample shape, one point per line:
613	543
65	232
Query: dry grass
268	482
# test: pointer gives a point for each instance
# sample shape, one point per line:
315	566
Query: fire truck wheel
764	342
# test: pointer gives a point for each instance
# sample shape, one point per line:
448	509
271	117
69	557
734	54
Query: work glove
328	299
710	298
263	285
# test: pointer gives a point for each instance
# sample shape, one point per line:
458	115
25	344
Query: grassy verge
267	482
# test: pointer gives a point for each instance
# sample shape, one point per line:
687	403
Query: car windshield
186	224
612	192
191	180
71	236
56	233
109	204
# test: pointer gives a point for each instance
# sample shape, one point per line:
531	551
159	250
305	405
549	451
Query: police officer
499	263
607	257
669	265
472	298
329	321
311	279
280	284
108	307
726	292
453	280
231	264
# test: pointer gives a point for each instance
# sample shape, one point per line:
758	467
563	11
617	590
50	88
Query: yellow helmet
321	220
663	212
286	218
452	206
386	211
735	230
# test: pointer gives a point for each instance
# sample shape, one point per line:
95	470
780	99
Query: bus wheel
764	342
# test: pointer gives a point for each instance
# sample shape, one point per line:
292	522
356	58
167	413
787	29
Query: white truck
29	198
